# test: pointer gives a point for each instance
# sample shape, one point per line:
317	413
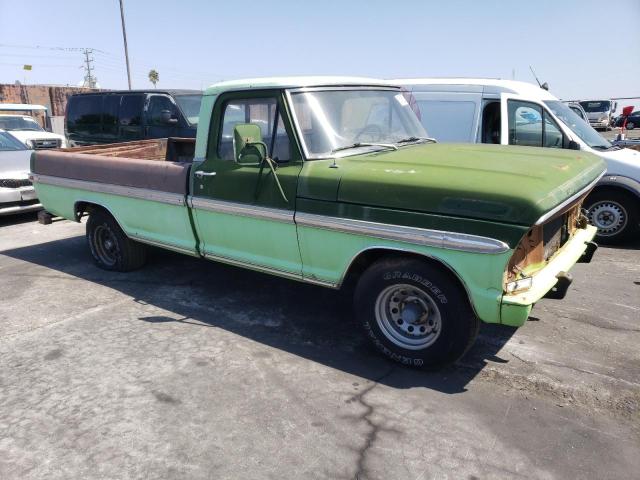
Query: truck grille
12	183
42	143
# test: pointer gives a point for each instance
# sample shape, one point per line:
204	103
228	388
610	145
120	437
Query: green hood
506	184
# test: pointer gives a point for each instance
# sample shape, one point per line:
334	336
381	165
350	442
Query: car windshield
18	122
9	143
577	125
353	121
599	106
190	106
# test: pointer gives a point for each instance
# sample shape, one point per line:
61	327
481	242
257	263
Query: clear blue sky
576	46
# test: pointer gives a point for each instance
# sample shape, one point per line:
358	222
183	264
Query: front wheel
614	213
415	313
110	247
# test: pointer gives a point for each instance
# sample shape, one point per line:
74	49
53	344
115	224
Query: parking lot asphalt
192	369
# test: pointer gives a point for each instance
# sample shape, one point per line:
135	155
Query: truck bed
158	164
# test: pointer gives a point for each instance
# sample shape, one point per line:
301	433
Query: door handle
202	173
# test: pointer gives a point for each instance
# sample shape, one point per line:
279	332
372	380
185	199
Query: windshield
190	106
10	122
577	125
9	143
359	119
600	106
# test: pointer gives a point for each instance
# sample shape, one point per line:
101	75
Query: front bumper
515	308
599	124
18	200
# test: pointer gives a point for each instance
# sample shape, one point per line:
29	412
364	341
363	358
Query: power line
90	81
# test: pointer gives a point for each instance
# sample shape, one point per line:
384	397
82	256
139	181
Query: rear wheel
110	247
614	213
630	126
415	313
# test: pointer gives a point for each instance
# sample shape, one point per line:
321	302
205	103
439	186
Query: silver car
16	192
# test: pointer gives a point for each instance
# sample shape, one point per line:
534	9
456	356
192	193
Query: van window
448	121
529	125
157	105
84	113
491	123
110	115
131	110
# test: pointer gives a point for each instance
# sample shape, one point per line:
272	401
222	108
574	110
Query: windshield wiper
365	144
600	147
417	139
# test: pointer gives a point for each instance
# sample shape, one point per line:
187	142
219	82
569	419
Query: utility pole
90	81
126	50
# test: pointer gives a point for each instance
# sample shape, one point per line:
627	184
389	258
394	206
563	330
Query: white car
509	112
28	131
16	192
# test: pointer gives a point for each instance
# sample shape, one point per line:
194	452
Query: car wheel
110	247
630	126
415	313
614	213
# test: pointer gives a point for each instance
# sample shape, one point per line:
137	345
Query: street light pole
126	50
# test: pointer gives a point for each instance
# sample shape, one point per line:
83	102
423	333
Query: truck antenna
544	85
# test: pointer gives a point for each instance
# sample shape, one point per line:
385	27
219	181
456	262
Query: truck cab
31	125
509	112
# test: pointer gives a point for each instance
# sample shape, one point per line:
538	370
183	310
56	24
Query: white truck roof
20	107
502	86
292	82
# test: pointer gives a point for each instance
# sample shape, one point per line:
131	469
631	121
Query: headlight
604	119
29	143
519	285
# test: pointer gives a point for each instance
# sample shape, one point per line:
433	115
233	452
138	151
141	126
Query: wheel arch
87	206
369	255
617	183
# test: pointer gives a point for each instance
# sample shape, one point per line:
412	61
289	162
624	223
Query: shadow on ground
312	322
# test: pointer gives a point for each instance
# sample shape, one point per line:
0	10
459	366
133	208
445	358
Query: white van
518	113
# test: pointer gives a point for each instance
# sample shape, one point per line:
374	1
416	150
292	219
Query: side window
525	123
110	109
131	110
553	137
260	111
84	113
448	121
491	123
160	110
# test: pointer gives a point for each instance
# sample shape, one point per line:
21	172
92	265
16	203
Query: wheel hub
408	316
608	217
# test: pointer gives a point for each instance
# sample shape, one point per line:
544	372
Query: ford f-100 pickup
334	181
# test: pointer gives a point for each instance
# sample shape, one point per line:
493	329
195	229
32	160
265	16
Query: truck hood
624	162
24	135
514	185
14	165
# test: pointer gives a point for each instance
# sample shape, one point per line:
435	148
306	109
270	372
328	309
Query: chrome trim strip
109	188
168	246
413	235
242	209
568	201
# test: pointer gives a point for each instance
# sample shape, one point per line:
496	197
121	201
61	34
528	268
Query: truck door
241	215
161	117
528	123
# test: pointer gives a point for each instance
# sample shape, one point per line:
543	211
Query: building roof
292	82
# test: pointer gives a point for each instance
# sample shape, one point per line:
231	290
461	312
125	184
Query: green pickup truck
333	181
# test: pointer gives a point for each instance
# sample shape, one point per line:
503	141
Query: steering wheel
372	130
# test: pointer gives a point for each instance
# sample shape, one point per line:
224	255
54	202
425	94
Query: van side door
528	123
130	117
162	117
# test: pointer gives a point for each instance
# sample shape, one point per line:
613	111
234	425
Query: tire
439	325
630	126
111	249
615	213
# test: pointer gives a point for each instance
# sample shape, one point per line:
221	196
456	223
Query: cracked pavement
191	369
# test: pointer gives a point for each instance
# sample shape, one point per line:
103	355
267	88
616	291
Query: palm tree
154	77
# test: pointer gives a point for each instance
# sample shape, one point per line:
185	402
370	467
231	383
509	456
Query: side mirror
248	147
573	145
165	117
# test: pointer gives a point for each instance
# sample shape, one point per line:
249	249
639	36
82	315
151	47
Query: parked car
118	116
22	124
633	120
494	111
600	112
343	187
16	192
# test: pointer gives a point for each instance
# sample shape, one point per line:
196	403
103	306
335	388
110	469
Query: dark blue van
123	116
